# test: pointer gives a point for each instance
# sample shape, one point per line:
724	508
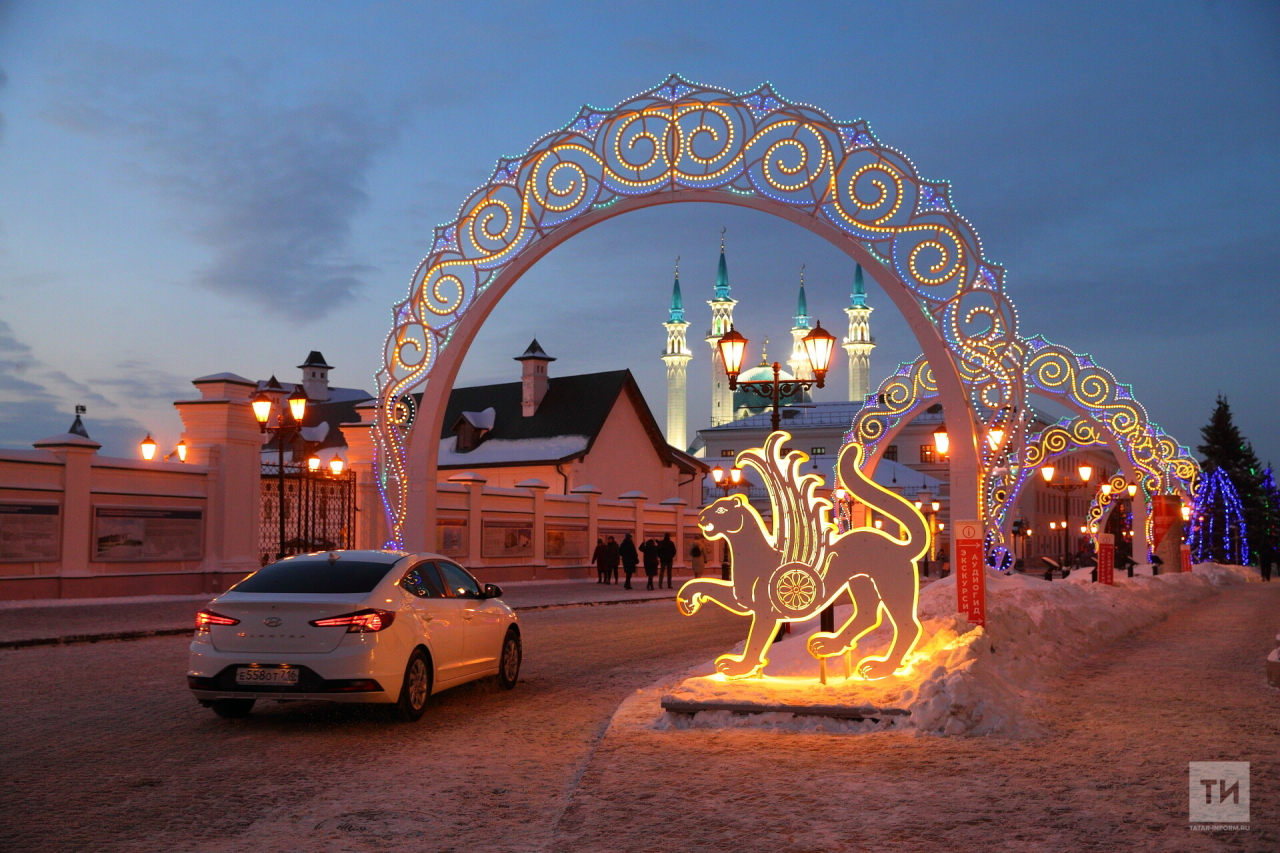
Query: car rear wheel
509	664
233	709
416	689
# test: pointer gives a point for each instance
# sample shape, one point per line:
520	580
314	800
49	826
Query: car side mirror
492	590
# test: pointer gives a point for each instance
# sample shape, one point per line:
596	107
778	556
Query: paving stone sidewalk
84	619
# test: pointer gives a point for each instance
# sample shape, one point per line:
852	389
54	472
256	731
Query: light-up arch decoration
687	142
1109	413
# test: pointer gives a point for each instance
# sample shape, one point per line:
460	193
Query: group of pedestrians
659	558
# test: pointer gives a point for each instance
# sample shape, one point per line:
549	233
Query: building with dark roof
569	431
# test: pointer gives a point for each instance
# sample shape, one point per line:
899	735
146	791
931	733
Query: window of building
728	454
926	453
817	451
891	453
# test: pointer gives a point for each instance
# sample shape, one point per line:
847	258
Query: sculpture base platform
674	705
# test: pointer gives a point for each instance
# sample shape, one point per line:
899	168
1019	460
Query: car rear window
319	577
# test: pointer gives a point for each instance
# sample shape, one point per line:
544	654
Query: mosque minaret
676	357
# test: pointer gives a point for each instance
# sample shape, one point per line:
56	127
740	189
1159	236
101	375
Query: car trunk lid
279	623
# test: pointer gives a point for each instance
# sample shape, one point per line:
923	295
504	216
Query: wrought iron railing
319	511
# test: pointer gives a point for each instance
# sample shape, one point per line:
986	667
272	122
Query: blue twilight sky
186	189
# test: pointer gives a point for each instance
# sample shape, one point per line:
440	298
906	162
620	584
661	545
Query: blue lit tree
1217	521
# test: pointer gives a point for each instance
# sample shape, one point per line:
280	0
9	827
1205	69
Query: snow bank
961	678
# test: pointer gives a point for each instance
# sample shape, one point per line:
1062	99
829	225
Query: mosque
730	406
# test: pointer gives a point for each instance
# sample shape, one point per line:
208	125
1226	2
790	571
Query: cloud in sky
33	401
269	186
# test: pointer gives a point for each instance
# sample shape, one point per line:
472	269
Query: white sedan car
352	626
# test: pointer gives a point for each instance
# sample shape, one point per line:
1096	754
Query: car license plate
266	675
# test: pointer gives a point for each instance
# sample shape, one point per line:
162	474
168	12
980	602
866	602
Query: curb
74	639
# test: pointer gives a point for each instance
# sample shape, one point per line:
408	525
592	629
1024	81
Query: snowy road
102	749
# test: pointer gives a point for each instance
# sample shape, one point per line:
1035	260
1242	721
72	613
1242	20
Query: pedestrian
612	570
630	558
666	559
650	551
600	559
695	554
1268	557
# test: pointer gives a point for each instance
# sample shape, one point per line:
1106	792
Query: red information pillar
1186	558
971	575
1107	558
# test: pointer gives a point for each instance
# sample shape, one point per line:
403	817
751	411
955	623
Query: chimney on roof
533	376
315	377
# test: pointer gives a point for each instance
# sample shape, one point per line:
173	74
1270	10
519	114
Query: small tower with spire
859	343
721	322
799	360
676	357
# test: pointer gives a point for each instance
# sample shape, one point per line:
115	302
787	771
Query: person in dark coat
649	548
613	551
600	559
666	559
650	551
630	558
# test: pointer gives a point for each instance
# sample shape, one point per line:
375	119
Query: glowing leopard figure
788	571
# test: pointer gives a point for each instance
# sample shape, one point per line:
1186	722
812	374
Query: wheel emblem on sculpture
796	589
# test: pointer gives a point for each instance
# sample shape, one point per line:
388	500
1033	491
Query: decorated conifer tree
1267	538
1217	522
1225	448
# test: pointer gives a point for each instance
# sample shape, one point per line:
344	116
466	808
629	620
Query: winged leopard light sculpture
792	568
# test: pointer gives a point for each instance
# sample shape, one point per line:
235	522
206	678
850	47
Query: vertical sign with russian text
1107	558
971	576
1186	557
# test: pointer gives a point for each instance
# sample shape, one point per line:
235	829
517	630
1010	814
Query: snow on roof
481	420
497	451
316	433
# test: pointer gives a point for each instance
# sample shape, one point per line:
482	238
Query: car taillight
205	618
360	622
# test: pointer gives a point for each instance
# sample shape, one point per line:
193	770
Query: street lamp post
726	483
818	345
1065	486
288	422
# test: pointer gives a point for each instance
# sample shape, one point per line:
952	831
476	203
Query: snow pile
961	678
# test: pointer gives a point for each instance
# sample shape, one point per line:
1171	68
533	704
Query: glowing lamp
335	465
1186	513
313	464
839	495
994	436
1132	489
148	448
717	474
1094	529
735	475
936	506
1053	525
941	526
879	523
733	348
1106	489
941	441
1047	472
1083	529
919	505
182	450
261	409
818	345
298	404
1086	473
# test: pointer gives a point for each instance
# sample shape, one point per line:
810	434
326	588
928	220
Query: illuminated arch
685	142
1109	414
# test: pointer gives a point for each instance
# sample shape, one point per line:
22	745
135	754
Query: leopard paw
733	666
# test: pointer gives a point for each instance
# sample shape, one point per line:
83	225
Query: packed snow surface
961	678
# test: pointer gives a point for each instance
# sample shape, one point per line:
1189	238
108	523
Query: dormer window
471	428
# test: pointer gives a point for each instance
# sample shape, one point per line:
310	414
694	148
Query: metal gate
319	510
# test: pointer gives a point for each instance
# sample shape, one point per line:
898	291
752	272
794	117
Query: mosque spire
677	301
799	360
858	299
722	273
